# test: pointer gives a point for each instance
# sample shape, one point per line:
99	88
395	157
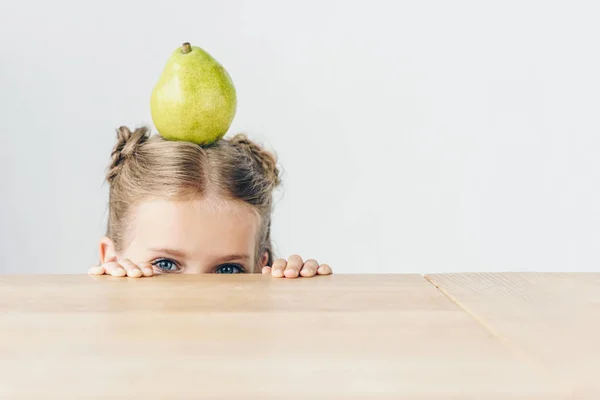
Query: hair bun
127	144
264	158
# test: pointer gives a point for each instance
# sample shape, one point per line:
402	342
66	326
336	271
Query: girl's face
196	236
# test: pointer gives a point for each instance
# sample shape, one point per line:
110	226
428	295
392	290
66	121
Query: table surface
459	336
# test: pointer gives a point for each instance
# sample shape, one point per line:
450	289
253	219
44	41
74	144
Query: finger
114	269
133	270
324	269
278	267
294	265
146	268
96	270
309	268
266	270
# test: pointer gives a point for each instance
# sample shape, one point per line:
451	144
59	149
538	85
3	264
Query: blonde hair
147	166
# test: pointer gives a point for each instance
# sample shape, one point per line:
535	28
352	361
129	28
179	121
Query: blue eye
166	265
229	269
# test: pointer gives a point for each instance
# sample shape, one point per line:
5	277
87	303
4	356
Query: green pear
194	100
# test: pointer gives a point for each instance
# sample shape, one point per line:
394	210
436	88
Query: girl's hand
295	267
123	268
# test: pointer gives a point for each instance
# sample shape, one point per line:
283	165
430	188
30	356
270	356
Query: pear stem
186	48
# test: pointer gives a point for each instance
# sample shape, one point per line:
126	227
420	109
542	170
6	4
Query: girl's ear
107	250
265	259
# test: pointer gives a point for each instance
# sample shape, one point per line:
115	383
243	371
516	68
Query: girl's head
187	208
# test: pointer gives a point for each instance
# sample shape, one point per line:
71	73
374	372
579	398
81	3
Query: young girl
176	207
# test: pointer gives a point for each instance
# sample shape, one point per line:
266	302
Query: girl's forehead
223	226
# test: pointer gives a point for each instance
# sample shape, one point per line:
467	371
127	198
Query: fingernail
148	271
291	272
277	273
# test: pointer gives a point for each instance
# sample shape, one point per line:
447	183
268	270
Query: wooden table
463	336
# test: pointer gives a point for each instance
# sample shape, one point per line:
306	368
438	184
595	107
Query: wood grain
249	336
551	318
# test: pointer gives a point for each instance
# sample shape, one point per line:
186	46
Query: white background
416	136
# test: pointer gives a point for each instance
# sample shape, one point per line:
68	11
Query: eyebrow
170	252
243	257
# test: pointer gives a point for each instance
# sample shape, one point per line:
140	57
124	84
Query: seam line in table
505	342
